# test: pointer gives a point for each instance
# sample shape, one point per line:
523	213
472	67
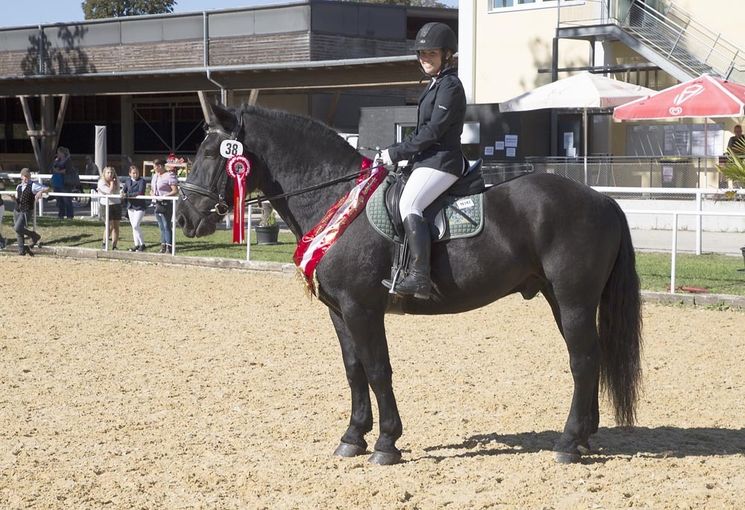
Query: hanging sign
238	168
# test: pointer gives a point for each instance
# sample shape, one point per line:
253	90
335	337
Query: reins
348	177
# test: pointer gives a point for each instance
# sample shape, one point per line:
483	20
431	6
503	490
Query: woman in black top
134	186
433	148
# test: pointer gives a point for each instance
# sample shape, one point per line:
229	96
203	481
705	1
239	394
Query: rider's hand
385	157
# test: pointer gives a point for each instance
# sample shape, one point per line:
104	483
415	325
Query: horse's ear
223	117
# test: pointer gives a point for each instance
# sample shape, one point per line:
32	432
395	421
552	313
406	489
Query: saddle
457	213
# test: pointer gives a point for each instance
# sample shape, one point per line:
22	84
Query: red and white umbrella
702	97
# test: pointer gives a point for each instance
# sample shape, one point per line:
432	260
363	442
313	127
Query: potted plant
267	231
733	168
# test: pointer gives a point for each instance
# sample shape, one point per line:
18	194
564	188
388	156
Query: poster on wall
499	146
667	174
510	140
488	150
568	139
510	152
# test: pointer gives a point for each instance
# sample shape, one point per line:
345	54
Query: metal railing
669	30
95	206
638	172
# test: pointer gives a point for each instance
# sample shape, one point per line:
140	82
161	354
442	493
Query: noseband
221	206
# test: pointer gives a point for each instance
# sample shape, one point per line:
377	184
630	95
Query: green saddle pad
463	216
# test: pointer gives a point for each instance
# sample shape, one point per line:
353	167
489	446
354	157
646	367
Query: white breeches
423	187
135	218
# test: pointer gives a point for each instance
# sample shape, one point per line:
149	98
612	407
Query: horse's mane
301	131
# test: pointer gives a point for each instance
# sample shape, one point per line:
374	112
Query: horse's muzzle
194	224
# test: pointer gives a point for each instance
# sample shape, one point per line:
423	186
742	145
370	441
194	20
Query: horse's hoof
349	450
384	458
567	458
584	448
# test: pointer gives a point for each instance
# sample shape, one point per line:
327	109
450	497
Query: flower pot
267	235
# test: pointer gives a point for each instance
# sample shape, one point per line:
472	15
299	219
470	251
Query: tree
96	9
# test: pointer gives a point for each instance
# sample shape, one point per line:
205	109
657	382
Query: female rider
433	148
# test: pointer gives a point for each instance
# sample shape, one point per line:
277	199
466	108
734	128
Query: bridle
221	207
220	180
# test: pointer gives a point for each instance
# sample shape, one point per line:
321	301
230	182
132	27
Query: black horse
542	233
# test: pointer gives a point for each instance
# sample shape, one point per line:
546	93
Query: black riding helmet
435	35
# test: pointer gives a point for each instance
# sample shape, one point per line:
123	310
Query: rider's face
431	61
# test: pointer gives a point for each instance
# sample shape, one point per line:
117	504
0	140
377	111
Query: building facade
140	75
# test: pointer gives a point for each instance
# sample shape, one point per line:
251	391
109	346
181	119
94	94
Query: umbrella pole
584	140
699	219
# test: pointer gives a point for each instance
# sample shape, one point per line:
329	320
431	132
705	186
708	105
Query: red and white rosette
238	168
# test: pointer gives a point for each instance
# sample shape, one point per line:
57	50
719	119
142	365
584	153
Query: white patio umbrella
583	90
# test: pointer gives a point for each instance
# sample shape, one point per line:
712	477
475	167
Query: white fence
95	206
698	212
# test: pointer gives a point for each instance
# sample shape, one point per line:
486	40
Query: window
507	5
499	4
404	130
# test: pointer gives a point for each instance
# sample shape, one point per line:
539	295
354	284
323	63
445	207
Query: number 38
230	148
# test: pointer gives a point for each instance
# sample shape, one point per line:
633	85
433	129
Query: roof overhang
394	71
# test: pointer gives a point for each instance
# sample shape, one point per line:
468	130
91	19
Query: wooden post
31	130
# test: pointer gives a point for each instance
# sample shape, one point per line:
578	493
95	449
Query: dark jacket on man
436	141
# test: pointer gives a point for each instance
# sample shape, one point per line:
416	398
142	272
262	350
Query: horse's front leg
367	333
360	421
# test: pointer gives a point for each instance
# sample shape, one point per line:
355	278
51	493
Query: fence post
248	234
106	226
674	253
173	227
699	221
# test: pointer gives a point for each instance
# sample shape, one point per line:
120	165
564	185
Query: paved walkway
711	242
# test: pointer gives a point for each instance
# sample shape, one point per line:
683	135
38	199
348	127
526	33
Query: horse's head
207	194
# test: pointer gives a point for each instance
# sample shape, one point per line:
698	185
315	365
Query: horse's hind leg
360	422
552	301
580	333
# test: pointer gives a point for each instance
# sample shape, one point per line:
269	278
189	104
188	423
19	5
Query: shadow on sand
658	442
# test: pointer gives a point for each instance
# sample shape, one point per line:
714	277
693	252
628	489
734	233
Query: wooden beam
60	118
253	97
204	103
31	130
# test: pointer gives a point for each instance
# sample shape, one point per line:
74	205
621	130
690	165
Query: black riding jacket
436	141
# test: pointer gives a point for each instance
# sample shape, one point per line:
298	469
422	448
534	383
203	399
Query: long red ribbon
238	168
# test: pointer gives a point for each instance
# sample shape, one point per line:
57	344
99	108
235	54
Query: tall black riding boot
417	280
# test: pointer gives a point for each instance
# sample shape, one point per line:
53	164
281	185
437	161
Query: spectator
65	179
737	141
109	185
164	184
134	186
27	193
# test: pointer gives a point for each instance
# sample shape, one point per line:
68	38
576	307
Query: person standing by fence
164	184
108	184
134	186
27	193
65	179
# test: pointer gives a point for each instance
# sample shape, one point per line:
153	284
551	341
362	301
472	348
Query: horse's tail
619	325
